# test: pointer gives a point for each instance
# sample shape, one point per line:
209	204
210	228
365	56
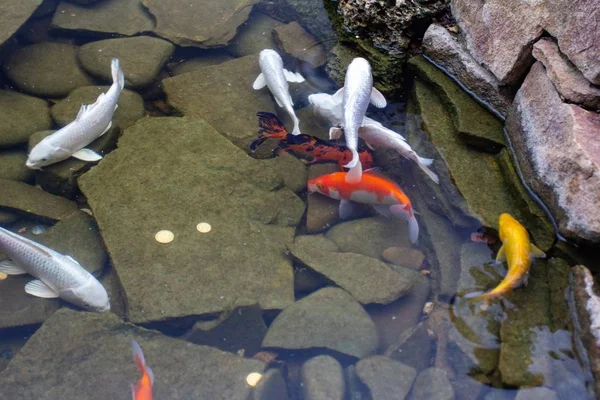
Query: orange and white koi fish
373	189
143	389
518	251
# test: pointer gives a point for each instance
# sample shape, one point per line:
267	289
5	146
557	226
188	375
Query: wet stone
323	379
254	35
369	236
124	17
46	69
405	257
414	347
199	23
21	197
322	211
348	270
472	255
317	241
271	386
539	393
195	63
238	331
292	171
131	106
7	217
294	40
21	116
14	13
432	384
140	57
386	379
223	96
12	166
91	342
329	318
251	214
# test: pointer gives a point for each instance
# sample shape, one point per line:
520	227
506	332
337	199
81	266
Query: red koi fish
380	192
143	389
321	151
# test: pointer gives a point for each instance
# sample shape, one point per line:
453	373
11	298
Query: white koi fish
92	121
57	275
357	93
276	78
373	132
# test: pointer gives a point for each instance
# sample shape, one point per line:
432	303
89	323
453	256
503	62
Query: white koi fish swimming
357	93
57	275
92	121
276	78
373	132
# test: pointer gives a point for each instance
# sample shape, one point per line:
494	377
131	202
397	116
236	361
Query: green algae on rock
88	343
21	116
156	181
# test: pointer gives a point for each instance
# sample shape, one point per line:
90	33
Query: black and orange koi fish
320	150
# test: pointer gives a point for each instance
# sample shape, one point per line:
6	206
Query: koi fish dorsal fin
536	252
501	256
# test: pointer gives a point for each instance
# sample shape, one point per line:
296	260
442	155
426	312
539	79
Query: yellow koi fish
518	251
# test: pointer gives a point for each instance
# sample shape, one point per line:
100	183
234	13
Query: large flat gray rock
20	117
173	173
66	356
28	199
13	13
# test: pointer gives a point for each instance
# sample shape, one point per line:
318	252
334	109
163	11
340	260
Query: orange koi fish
518	251
373	189
143	389
321	151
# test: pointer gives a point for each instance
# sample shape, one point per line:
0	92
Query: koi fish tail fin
424	161
296	130
404	211
413	229
117	73
269	126
138	357
355	173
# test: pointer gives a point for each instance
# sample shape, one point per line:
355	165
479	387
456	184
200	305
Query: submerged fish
276	78
373	132
517	251
357	93
321	151
383	194
92	121
143	389
57	275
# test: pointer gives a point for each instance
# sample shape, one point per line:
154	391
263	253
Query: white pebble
164	236
203	227
253	378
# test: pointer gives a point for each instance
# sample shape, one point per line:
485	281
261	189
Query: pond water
203	244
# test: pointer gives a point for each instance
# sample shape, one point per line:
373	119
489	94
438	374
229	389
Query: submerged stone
13	14
251	215
414	347
432	384
254	35
329	318
198	62
20	117
12	166
28	199
140	57
124	17
223	96
200	23
46	69
323	379
367	279
292	171
294	40
322	211
89	343
386	379
271	386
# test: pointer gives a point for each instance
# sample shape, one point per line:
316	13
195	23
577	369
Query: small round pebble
164	236
253	378
203	227
38	229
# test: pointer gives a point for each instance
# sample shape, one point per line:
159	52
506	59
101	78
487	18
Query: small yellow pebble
164	236
2	276
203	227
253	378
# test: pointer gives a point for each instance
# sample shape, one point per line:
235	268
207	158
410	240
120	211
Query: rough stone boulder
13	13
28	199
65	357
173	173
200	23
558	148
20	117
254	35
323	378
387	379
294	40
12	166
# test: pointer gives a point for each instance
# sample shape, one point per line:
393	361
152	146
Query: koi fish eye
319	187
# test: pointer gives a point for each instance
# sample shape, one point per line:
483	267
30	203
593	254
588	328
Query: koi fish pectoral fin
38	288
536	252
348	209
338	96
260	82
86	155
292	77
335	133
377	99
11	268
501	256
402	211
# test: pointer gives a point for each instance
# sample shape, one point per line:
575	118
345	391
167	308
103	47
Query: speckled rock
294	40
124	17
14	13
89	342
12	166
328	318
31	200
46	69
251	214
323	379
432	384
386	379
200	23
452	55
348	270
131	106
223	96
21	116
254	35
140	57
198	62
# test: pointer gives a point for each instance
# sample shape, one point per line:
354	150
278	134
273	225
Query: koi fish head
507	225
90	296
45	153
326	185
